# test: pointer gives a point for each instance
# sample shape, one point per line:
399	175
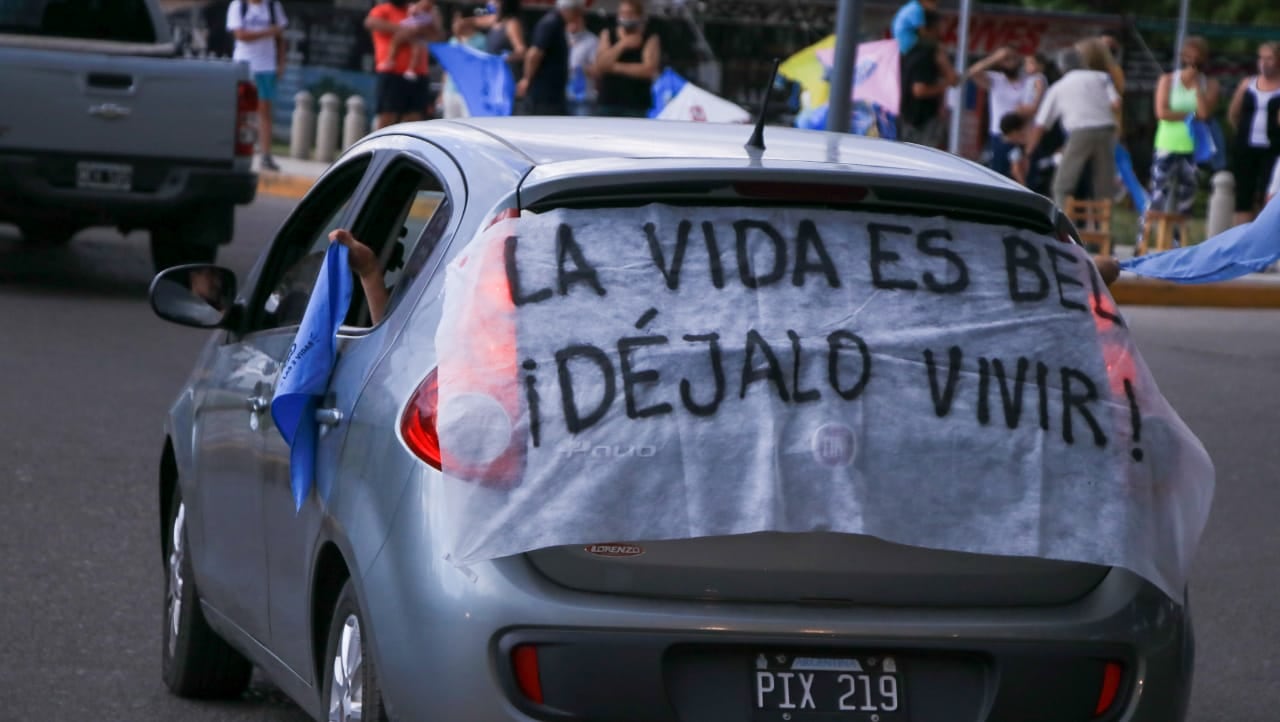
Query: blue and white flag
1247	248
675	98
666	87
484	80
307	368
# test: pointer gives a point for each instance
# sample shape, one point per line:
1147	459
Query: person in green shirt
1179	95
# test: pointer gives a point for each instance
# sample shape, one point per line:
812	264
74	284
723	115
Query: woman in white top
1000	74
1086	101
1255	114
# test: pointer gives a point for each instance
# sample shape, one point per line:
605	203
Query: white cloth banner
695	104
666	372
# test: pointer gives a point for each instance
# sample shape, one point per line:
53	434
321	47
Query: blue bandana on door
307	368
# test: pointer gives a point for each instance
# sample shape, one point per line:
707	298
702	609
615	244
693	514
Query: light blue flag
667	86
1247	248
484	80
307	368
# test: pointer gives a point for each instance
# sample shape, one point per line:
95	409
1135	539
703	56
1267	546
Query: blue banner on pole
484	80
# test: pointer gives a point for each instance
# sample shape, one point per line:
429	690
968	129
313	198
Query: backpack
228	43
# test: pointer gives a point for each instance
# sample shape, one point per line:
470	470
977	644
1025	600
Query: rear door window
126	21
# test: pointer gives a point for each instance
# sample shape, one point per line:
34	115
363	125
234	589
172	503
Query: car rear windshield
126	21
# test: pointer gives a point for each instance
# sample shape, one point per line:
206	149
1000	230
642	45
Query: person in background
1180	95
1013	132
504	33
546	63
1255	115
926	76
1035	67
463	27
1085	101
421	13
627	63
258	29
1001	75
583	45
908	21
399	98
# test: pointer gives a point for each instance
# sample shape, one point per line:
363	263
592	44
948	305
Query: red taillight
246	117
418	425
811	192
524	658
1112	676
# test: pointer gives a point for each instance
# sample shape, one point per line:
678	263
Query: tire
196	662
47	234
351	690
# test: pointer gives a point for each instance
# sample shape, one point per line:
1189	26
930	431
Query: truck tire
191	239
47	234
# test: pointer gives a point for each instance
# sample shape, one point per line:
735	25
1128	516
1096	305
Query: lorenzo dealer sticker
615	550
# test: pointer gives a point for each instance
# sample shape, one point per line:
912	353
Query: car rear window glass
127	21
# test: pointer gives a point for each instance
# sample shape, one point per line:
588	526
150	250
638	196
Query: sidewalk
1256	290
294	179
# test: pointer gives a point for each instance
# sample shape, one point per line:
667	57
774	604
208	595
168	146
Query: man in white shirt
258	27
1086	102
1000	74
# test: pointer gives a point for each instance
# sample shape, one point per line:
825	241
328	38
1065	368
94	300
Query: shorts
399	95
1252	169
266	84
931	133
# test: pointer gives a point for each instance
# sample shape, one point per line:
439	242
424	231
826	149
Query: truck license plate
104	176
797	688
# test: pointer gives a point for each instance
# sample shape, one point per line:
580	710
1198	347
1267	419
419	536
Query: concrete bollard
1222	204
327	128
356	123
302	131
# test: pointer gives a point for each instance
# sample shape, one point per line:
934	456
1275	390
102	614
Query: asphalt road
88	373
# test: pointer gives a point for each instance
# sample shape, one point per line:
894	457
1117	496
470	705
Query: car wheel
196	661
351	686
47	234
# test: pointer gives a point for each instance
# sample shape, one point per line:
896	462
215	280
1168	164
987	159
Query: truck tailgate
112	105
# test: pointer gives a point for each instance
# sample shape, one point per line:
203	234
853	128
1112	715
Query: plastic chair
1092	220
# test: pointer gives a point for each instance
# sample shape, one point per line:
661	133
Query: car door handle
257	404
328	417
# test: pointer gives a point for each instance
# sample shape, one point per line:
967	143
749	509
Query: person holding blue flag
1181	96
463	27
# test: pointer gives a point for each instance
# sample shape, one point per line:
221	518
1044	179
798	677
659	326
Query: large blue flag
307	368
1247	248
484	80
667	86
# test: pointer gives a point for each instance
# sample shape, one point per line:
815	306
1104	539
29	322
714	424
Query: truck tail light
246	118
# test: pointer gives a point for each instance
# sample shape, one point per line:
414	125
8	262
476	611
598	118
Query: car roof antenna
757	136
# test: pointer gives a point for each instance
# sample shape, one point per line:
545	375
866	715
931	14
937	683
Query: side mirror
198	295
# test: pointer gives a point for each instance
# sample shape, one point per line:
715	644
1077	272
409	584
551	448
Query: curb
1228	294
284	185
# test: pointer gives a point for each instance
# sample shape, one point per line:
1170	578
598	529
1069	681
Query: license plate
800	688
104	176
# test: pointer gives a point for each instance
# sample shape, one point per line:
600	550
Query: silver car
348	606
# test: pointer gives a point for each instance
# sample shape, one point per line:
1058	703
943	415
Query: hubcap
176	555
346	694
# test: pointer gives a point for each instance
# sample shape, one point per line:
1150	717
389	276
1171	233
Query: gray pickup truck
101	125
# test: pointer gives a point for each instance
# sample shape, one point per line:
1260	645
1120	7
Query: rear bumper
43	187
443	638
